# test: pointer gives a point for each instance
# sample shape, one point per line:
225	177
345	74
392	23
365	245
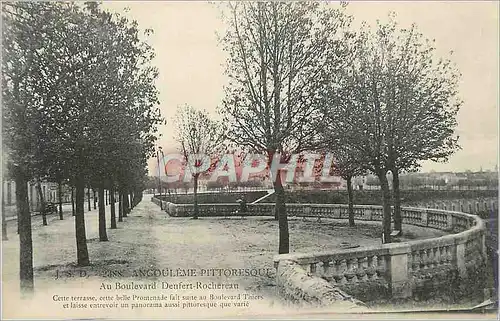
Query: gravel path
148	241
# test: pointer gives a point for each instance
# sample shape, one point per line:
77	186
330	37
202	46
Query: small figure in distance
243	207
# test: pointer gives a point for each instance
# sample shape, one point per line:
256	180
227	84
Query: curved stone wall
450	264
395	270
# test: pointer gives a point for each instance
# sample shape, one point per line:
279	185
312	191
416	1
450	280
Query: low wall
164	205
477	206
451	263
215	197
155	200
425	217
301	288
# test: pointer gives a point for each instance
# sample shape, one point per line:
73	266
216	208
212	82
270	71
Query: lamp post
164	167
159	174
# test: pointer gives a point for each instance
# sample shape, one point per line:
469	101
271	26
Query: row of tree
79	108
302	80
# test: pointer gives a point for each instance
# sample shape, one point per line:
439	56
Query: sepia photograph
249	160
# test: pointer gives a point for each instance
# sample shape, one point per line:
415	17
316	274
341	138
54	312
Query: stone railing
301	288
470	206
402	270
395	270
156	201
439	219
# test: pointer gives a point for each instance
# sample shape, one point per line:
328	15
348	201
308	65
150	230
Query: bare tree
200	137
347	166
422	103
395	106
277	69
4	222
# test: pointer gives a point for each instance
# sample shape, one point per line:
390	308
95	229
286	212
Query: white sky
191	62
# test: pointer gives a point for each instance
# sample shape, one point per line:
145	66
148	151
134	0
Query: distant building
49	192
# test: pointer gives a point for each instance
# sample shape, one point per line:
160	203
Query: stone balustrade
395	270
155	200
470	206
400	270
425	217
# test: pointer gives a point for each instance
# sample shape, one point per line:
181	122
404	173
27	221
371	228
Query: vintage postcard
249	159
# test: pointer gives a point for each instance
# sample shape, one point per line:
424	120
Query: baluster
349	270
423	259
327	270
313	268
337	276
435	257
381	266
354	269
435	254
469	249
370	271
343	271
442	255
428	258
409	264
474	251
415	261
449	254
362	265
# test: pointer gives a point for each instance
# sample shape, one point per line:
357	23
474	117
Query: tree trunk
73	201
280	213
18	220
88	198
112	205
4	223
59	192
106	196
42	202
25	237
126	204
398	221
95	199
103	237
386	200
159	193
81	237
276	212
195	191
120	207
350	201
